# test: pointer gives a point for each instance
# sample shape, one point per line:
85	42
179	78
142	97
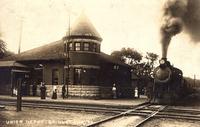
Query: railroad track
69	107
146	111
133	111
149	112
150	116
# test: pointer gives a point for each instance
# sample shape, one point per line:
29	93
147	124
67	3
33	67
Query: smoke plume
192	20
174	12
179	14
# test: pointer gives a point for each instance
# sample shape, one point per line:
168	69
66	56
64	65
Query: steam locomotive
169	84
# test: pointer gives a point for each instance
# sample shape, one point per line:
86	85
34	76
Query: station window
94	48
77	76
55	76
70	46
98	48
86	46
77	46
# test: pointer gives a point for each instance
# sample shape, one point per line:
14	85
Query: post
19	96
194	79
68	58
68	69
66	63
11	82
20	36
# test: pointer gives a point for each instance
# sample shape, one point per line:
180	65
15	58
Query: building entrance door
25	81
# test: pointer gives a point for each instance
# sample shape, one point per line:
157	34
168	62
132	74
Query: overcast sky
121	23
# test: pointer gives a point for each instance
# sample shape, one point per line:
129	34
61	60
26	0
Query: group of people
43	91
116	94
54	94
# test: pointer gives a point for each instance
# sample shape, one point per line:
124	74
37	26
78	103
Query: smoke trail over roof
179	14
192	20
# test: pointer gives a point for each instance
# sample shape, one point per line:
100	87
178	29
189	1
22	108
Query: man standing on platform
34	89
114	91
54	95
63	91
43	91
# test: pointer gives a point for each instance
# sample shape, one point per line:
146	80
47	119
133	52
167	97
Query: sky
121	23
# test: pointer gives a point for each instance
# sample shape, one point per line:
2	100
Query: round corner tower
83	45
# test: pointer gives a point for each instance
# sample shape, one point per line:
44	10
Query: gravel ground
162	122
126	121
46	118
36	117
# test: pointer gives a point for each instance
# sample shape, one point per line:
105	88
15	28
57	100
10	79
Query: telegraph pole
21	25
19	81
19	95
67	58
67	48
20	36
194	79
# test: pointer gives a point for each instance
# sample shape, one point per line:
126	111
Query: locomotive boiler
169	85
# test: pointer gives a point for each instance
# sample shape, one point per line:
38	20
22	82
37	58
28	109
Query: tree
142	68
134	58
128	55
151	59
131	55
2	48
118	55
3	51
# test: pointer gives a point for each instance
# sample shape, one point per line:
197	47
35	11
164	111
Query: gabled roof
49	51
11	64
111	59
54	51
84	27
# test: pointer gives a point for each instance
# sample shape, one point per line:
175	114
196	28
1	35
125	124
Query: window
94	48
70	46
77	46
115	67
77	76
55	76
86	46
98	48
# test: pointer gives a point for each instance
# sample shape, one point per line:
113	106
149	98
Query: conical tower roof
84	27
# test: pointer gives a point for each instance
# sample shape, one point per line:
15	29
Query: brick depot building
75	61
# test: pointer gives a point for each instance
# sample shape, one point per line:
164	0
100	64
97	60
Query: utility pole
21	25
67	58
20	36
194	79
67	41
19	95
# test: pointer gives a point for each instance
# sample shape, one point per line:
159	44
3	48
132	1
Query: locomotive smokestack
172	22
165	59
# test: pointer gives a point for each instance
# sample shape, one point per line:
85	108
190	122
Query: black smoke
192	20
180	15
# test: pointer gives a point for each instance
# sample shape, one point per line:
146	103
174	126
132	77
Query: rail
150	116
145	110
118	115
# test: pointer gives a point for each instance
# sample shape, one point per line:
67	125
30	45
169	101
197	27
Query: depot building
75	61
